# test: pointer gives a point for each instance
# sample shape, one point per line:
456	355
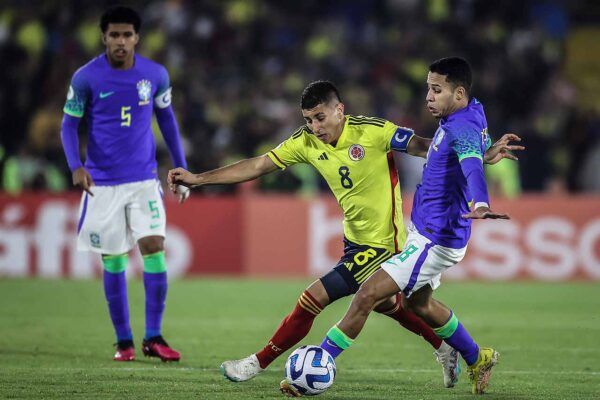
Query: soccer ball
310	370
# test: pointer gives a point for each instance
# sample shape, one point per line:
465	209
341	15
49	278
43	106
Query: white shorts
420	263
116	217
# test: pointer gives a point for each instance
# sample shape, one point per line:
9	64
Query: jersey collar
342	135
104	57
473	104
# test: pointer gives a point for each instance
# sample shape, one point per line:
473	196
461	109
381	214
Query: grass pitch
56	336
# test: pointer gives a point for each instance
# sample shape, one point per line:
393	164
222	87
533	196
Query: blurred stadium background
237	69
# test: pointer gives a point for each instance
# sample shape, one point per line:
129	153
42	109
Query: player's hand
183	192
82	179
485	213
502	149
180	177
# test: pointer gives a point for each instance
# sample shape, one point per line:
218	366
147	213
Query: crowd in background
238	68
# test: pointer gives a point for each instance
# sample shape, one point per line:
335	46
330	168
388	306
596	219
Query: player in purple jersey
122	204
452	192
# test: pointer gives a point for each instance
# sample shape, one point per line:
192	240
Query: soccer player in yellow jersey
354	155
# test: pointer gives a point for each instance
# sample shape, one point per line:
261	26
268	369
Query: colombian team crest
356	152
144	88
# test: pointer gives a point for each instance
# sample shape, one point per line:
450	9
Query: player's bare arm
241	171
418	146
502	149
83	180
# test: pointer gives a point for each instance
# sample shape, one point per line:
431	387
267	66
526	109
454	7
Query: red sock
413	323
293	328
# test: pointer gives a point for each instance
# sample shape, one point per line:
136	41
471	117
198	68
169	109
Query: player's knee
319	293
151	244
366	298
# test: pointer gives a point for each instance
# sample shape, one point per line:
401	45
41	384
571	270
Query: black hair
319	92
120	15
457	71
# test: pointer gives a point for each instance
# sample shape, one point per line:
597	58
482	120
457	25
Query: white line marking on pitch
496	371
348	371
381	370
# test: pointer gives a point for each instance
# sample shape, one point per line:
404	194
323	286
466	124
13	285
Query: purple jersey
443	195
118	105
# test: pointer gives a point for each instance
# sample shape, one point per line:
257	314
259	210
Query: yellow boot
479	373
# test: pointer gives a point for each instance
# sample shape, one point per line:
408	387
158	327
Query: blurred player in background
354	155
453	183
122	201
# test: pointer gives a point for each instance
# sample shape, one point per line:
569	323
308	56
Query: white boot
448	357
241	370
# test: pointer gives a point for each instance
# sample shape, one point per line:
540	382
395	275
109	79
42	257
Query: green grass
55	342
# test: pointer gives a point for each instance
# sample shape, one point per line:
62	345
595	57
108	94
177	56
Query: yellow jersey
360	172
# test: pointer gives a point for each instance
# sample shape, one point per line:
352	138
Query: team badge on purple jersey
439	136
356	152
144	88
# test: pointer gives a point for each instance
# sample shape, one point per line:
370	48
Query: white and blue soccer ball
310	369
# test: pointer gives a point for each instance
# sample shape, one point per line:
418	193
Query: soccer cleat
125	351
157	347
479	373
288	390
241	370
448	357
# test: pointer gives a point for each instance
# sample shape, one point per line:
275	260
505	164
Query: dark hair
120	15
457	71
318	92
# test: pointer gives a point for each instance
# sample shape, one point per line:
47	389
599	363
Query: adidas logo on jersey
323	157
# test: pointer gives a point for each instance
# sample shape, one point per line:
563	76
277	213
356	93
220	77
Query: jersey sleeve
78	95
162	99
469	148
488	141
466	143
290	151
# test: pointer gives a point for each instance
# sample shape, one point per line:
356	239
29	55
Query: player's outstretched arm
405	141
418	146
241	171
502	149
485	213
